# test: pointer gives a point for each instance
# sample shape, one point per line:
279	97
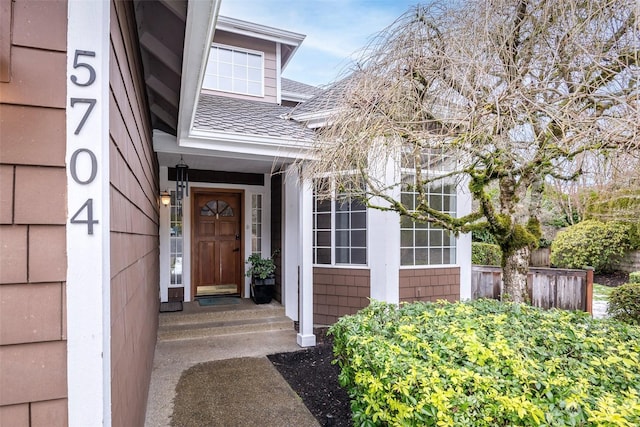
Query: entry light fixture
165	198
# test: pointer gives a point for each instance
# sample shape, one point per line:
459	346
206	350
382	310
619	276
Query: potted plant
262	273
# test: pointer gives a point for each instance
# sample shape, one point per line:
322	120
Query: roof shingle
224	114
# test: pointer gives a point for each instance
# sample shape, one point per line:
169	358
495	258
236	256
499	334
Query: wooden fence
540	257
547	287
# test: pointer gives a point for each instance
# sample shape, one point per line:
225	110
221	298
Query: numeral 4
89	221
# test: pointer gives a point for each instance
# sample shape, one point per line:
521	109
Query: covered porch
236	204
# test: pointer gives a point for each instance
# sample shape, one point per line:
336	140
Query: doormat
219	301
168	307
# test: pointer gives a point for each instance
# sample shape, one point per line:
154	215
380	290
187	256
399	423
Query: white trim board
88	227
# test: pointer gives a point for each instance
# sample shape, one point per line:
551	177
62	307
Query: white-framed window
235	70
176	240
340	229
256	223
424	243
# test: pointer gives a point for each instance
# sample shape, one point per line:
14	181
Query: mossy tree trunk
514	275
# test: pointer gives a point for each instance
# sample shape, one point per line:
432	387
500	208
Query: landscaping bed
314	378
487	363
311	374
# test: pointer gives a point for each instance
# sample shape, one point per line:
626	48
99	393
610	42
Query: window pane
239	85
406	238
359	220
421	238
359	238
435	201
254	61
323	221
323	256
406	222
209	82
323	238
435	256
342	205
450	239
358	256
342	221
323	205
407	200
449	203
406	256
342	256
448	256
239	58
239	72
224	55
342	238
224	83
435	237
254	74
357	205
224	70
421	256
254	88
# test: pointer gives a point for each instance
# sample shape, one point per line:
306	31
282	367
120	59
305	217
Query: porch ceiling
161	31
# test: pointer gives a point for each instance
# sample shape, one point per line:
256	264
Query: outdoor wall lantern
165	198
182	180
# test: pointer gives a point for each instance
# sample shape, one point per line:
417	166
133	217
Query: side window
427	244
340	229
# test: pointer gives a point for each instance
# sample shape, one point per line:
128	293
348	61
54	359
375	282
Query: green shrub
624	303
483	236
591	243
486	363
485	254
634	277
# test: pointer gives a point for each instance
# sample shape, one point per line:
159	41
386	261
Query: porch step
202	323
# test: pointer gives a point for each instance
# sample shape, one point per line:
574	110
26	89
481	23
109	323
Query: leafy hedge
634	277
624	303
485	254
591	243
487	363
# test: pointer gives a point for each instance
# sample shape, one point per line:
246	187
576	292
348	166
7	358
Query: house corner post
88	287
305	337
464	207
384	236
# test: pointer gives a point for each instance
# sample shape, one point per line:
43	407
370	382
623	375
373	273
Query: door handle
236	250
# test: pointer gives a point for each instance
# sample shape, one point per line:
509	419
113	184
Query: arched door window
217	208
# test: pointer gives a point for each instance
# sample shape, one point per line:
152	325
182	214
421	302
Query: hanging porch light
182	180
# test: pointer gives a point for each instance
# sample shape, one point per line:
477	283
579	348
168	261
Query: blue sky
335	29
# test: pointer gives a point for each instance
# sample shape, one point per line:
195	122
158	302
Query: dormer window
230	69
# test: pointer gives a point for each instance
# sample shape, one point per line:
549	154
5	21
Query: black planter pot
262	290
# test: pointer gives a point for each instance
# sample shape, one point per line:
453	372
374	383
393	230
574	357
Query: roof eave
201	21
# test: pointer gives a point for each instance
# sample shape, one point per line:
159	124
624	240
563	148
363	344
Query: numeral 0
74	167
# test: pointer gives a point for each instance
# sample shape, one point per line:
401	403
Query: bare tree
488	94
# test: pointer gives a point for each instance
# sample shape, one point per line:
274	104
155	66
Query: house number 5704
81	79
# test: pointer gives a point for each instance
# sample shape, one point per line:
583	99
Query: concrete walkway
599	309
172	358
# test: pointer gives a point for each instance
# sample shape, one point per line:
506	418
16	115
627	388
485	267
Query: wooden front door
216	245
